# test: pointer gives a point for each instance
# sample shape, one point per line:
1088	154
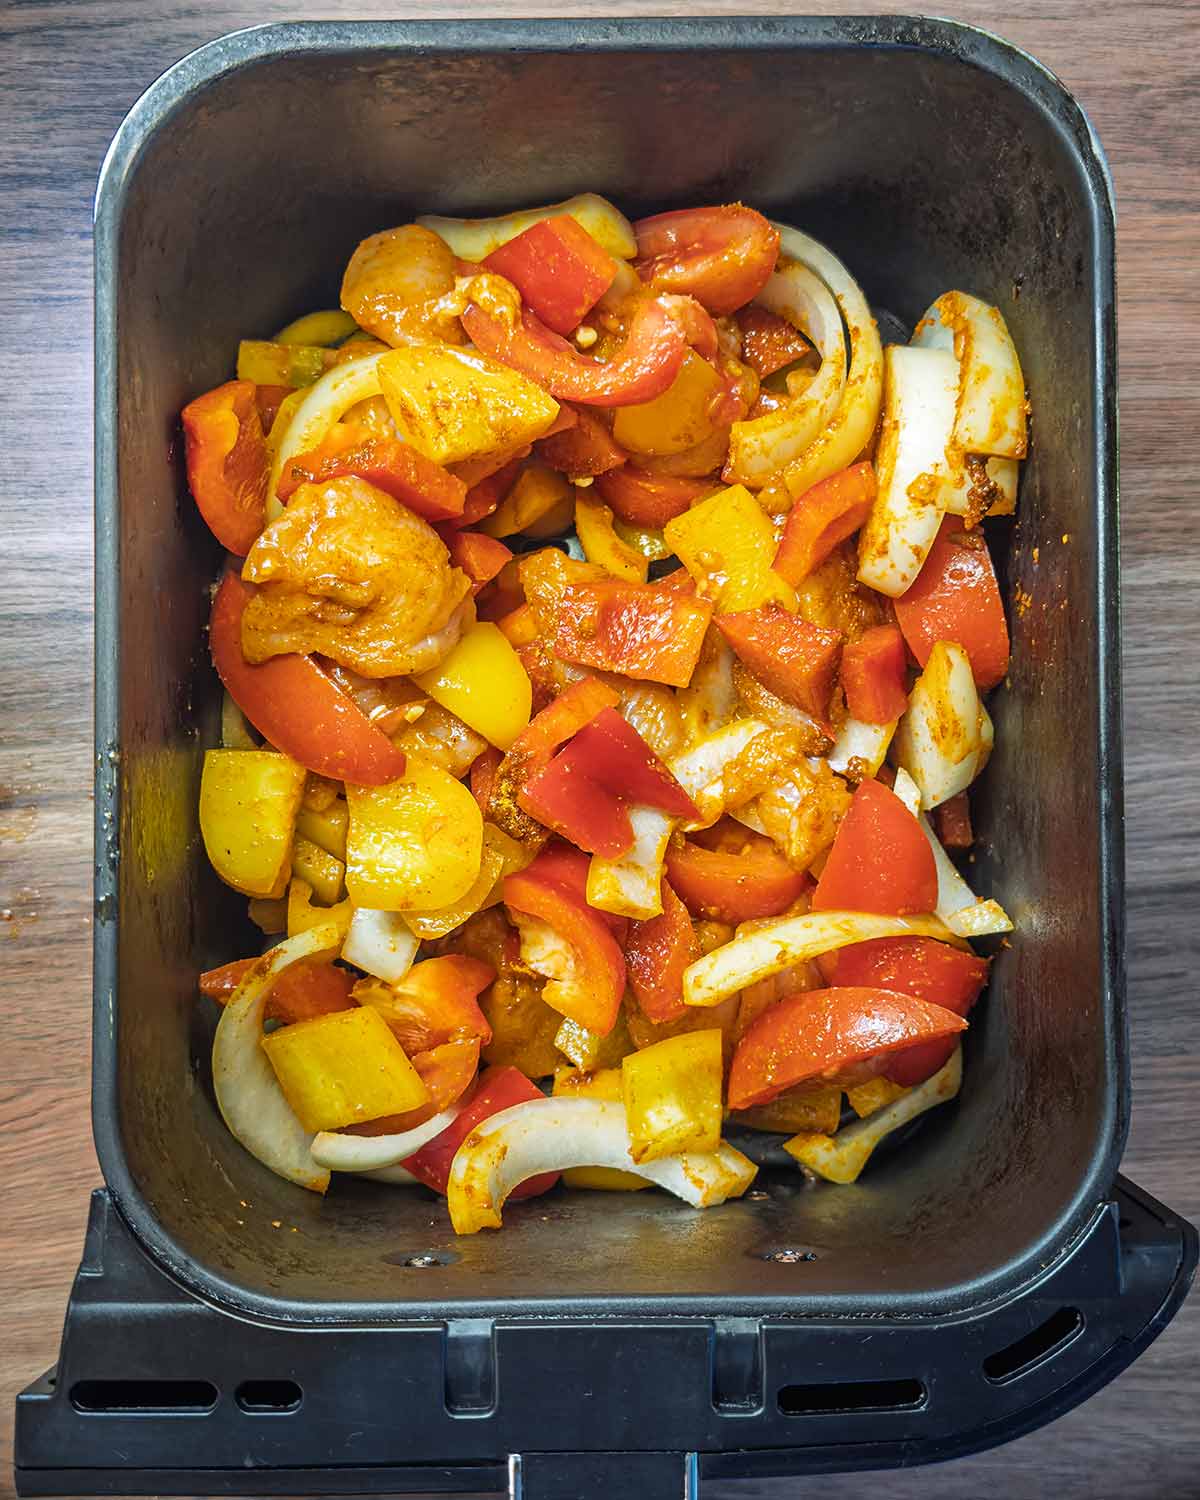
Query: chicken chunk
831	596
351	573
398	285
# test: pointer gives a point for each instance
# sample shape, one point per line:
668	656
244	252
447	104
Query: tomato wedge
227	465
645	499
820	1033
880	860
387	463
499	1088
295	705
918	966
656	954
955	597
734	885
722	256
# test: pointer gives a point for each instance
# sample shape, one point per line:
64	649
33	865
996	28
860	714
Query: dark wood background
68	73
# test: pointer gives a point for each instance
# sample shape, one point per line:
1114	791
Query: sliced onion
761	447
367	1153
251	1102
945	737
866	744
708	702
632	885
841	1157
766	948
844	438
551	1135
907	790
473	239
910	466
963	912
327	401
380	943
701	770
954	493
393	1176
990	415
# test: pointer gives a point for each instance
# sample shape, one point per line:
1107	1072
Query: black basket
231	1334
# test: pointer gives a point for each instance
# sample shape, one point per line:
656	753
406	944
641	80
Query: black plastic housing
928	155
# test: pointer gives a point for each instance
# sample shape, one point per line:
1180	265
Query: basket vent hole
851	1396
269	1395
1040	1343
144	1395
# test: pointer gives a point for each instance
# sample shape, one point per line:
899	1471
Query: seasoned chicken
351	573
397	284
832	596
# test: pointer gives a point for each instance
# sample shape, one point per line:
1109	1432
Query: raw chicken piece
395	284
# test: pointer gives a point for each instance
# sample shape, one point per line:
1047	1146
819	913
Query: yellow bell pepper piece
644	539
600	542
588	1049
673	1095
329	326
727	544
323	871
559	518
484	683
454	404
865	1098
678	419
325	827
248	805
343	1069
501	856
265	363
413	843
538	490
236	732
269	916
303	915
604	1083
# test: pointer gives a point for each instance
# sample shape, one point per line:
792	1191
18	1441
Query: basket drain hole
269	1395
143	1395
851	1396
1047	1339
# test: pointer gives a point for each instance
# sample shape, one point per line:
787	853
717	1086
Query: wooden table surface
68	73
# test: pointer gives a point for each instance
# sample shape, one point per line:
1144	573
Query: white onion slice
767	948
954	493
761	447
393	1176
632	885
862	742
907	790
963	912
848	433
841	1157
327	402
380	943
550	1135
251	1102
944	738
367	1153
910	466
990	415
473	239
700	771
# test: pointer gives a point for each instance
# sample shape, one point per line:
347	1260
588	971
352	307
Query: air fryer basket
929	156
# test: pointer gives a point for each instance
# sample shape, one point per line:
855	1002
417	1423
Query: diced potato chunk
248	805
343	1069
673	1096
454	404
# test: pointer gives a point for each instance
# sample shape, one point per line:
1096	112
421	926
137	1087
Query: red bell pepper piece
645	499
873	673
952	822
641	369
610	751
227	465
880	860
918	966
573	805
588	447
486	493
722	256
727	885
480	557
592	994
499	1088
955	597
483	776
821	518
269	398
435	1002
640	631
295	705
819	1033
310	988
387	463
658	951
796	660
568	868
769	342
558	268
574	707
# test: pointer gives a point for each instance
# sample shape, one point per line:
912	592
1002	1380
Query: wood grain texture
68	73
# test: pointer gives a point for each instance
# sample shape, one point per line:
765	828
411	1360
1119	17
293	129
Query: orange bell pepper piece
480	557
635	629
389	464
559	269
656	954
651	500
734	885
588	447
873	672
822	517
769	342
796	660
307	989
227	465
